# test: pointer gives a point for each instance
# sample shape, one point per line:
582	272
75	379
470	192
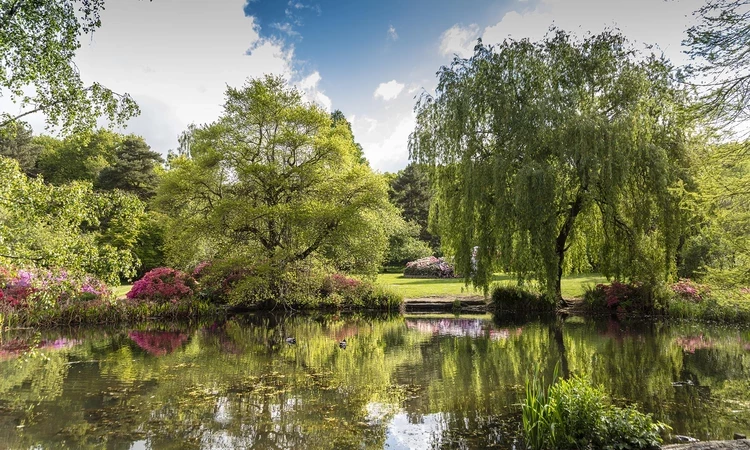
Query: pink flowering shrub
690	290
162	285
340	284
430	267
620	297
47	288
200	270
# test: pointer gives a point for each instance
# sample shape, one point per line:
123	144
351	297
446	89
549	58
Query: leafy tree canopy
67	226
561	147
78	157
38	41
718	45
133	169
272	181
410	192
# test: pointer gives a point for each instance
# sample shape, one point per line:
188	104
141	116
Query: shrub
161	285
690	290
341	290
573	414
40	289
517	299
624	297
429	267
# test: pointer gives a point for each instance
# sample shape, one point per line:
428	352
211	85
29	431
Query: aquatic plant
573	414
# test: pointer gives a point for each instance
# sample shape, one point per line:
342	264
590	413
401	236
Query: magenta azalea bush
430	267
162	285
690	290
35	288
620	297
346	288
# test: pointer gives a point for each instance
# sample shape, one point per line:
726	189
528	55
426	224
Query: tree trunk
562	239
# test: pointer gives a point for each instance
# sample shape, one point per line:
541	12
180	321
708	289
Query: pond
404	382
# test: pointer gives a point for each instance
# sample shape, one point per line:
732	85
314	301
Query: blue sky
366	58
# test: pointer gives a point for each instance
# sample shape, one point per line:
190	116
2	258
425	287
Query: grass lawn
120	291
572	286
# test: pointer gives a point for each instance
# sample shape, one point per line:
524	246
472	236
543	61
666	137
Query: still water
414	382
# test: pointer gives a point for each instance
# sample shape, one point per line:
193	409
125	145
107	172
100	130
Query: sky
369	59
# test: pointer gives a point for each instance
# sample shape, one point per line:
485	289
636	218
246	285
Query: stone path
741	444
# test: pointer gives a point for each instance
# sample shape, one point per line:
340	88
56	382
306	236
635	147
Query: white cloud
178	71
389	90
286	27
459	40
392	35
389	150
642	21
309	86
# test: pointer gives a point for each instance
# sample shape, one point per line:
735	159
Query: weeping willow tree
561	147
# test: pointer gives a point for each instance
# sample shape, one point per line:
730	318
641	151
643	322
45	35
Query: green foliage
78	157
404	243
718	249
149	244
565	145
717	44
573	414
16	142
67	226
272	184
410	192
520	299
38	42
133	169
337	117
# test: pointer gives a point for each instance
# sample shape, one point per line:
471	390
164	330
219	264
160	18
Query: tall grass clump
573	414
520	300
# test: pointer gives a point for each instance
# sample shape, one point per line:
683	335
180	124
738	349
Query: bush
429	267
40	289
517	299
341	290
572	414
162	285
624	297
690	290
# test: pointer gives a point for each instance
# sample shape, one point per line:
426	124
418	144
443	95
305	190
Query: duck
342	344
291	340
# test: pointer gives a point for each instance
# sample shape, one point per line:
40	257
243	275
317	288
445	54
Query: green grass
572	286
120	291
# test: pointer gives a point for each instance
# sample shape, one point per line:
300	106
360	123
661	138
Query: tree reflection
238	384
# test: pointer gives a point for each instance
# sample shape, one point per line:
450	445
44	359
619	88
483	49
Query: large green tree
38	43
273	183
410	192
561	147
78	157
67	226
133	169
717	44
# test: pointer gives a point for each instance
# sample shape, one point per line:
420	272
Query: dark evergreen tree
17	142
410	191
133	169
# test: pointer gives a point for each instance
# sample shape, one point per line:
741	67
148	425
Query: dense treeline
534	158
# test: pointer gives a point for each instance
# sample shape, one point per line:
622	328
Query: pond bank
740	444
450	303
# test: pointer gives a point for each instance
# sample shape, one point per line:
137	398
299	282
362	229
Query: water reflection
402	382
